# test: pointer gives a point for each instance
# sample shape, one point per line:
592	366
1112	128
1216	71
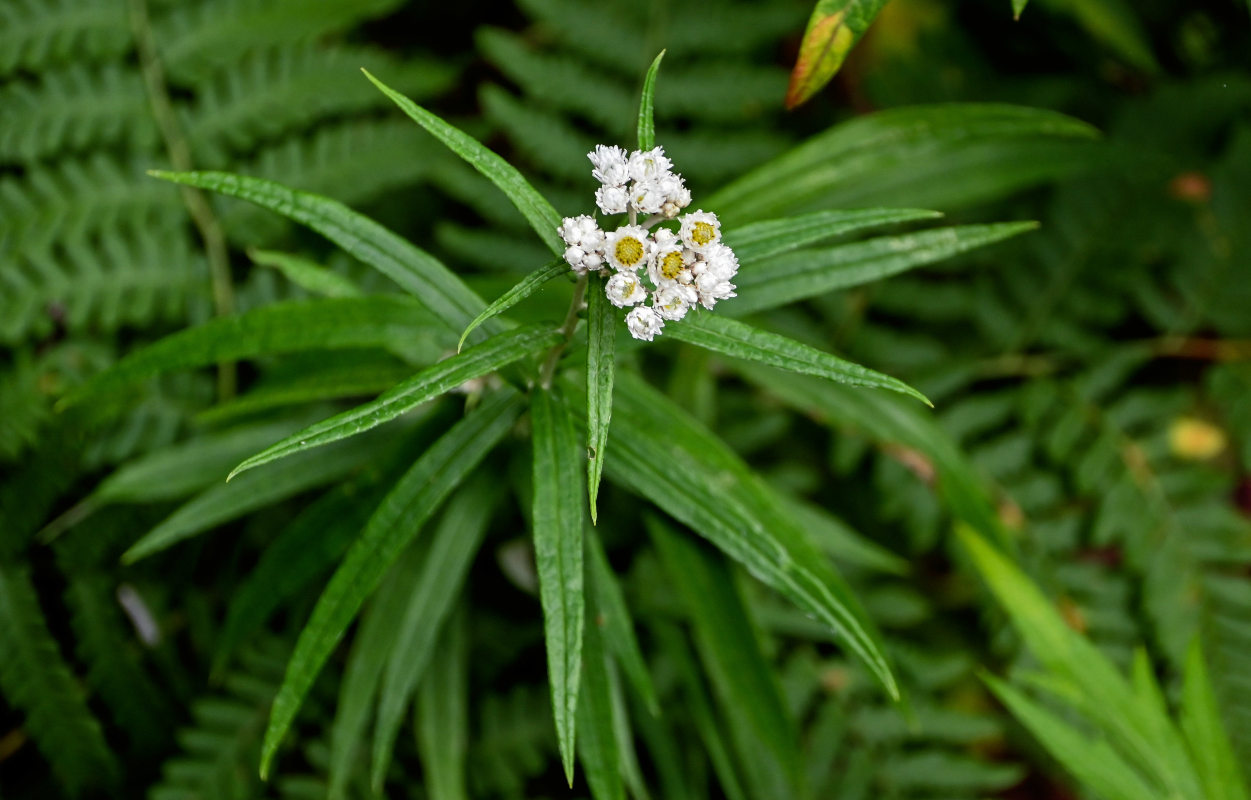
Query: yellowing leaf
834	27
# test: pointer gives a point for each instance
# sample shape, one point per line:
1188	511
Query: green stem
566	329
179	153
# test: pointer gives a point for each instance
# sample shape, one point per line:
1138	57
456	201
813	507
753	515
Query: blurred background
1092	377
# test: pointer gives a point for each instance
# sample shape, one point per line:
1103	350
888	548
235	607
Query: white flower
700	229
712	288
649	164
625	289
627	248
612	199
611	164
673	301
647	196
718	260
644	323
581	232
677	196
582	260
665	238
667	265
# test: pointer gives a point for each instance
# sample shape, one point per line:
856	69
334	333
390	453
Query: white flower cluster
675	270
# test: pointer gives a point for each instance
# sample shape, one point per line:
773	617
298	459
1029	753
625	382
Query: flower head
700	229
673	301
644	323
627	248
649	164
612	199
625	289
611	165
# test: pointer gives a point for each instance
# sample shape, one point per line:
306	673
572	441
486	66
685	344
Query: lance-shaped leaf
391	528
496	352
443	715
760	240
597	743
833	29
532	205
808	273
1209	744
416	271
223	502
601	343
667	457
454	545
528	286
738	339
1018	6
324	324
613	617
305	274
937	156
647	106
762	731
557	529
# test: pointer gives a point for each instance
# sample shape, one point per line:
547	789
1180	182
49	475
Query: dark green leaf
443	715
597	743
647	104
305	274
418	272
528	286
500	350
455	542
760	240
533	206
740	340
557	530
601	342
808	273
337	323
613	618
393	525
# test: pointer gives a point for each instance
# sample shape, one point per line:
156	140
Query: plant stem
566	329
179	153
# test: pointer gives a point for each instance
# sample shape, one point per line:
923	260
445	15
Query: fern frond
720	91
352	162
196	39
274	91
515	740
72	109
124	279
546	139
75	200
35	679
37	34
625	51
221	749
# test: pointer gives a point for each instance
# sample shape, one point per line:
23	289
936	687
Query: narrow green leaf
597	743
302	325
889	419
228	501
1116	24
720	498
739	340
762	732
1100	691
557	530
532	205
528	286
771	237
416	271
927	156
496	352
808	273
833	29
613	617
695	696
1209	744
601	365
647	105
455	542
393	525
373	642
443	714
845	545
1093	761
1018	6
305	549
305	274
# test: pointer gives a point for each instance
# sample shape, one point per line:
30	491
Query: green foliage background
1060	363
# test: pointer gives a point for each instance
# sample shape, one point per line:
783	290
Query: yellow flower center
629	251
703	233
671	265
